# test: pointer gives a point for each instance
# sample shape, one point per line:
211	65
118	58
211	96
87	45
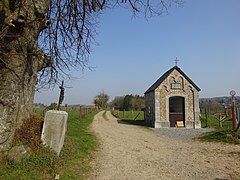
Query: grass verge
78	147
73	162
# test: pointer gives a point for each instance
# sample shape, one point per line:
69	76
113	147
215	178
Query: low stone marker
18	153
54	128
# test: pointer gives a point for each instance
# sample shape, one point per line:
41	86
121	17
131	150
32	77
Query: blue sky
133	53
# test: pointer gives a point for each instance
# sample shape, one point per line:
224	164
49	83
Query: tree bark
20	61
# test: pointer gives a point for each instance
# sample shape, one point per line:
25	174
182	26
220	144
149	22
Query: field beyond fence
223	130
130	117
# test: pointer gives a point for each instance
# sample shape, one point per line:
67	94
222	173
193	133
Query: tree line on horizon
127	102
136	102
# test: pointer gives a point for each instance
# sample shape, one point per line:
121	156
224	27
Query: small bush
30	132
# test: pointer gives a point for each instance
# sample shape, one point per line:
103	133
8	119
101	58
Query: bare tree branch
72	31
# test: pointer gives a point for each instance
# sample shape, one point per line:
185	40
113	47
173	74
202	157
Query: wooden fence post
206	115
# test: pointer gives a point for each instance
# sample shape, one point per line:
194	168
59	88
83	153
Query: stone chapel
173	98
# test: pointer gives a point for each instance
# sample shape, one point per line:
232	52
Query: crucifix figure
176	61
61	96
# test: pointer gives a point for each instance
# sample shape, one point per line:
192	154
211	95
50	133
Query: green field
213	122
130	117
72	162
221	134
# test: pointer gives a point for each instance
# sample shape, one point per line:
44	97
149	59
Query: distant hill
218	104
224	99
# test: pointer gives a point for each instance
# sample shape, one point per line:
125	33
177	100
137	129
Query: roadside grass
40	165
130	117
220	134
78	147
73	162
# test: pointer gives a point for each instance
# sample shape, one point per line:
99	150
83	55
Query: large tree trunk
20	60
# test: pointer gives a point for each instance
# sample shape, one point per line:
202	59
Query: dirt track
131	152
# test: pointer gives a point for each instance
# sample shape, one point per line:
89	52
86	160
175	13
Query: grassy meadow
72	162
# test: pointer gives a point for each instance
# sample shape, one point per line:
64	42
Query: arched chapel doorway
176	110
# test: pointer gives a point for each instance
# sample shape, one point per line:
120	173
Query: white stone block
54	128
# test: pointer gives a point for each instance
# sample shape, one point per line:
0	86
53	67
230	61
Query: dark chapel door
176	110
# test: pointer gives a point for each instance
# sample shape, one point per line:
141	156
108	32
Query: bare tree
101	100
41	40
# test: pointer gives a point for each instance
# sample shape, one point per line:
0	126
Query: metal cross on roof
176	61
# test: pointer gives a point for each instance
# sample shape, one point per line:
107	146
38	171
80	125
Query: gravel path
130	152
182	133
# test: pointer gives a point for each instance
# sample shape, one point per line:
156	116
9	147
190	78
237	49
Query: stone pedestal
54	128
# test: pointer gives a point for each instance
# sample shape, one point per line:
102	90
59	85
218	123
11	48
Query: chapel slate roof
166	74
